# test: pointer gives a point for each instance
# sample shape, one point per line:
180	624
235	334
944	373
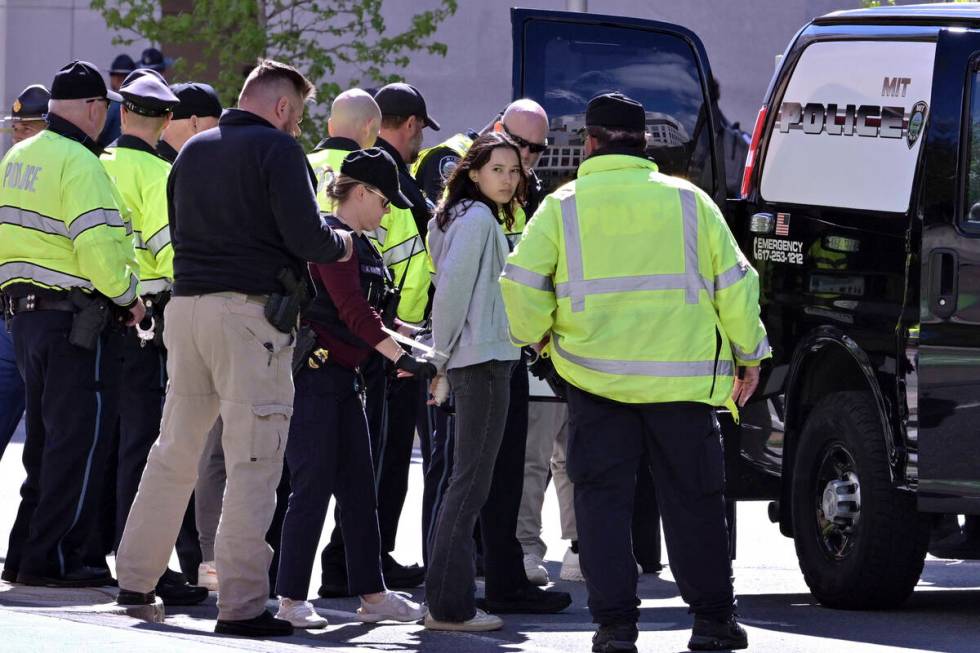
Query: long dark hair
461	189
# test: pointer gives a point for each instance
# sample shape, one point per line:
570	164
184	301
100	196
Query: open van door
563	59
949	342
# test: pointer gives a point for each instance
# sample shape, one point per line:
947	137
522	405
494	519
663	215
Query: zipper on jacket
714	371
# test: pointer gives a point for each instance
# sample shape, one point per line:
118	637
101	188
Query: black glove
417	366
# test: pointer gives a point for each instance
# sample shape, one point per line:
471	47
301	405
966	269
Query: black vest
375	278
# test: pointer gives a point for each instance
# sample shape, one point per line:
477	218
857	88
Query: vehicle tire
860	542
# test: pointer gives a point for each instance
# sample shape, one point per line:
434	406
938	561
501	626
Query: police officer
26	119
328	450
27	114
650	313
199	109
140	176
239	261
121	66
68	267
403	117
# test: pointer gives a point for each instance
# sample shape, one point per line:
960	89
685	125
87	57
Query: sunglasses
99	99
534	148
385	202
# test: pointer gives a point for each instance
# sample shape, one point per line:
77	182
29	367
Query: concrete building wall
469	85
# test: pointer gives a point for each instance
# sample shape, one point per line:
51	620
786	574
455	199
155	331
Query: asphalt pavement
779	614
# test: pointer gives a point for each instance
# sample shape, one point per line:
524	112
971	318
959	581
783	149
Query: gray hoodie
468	319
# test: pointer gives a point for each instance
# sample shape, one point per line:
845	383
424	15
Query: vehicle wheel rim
838	501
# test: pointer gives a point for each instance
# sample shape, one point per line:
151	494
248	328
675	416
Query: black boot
264	625
174	589
714	635
615	638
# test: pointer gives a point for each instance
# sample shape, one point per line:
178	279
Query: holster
282	309
305	344
90	320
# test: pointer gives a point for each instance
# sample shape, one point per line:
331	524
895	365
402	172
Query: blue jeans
11	389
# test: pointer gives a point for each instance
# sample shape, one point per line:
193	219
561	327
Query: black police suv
860	209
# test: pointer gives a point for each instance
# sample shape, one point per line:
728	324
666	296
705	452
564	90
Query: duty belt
29	303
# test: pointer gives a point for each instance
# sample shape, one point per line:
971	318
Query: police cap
148	96
196	99
154	60
122	65
615	111
80	80
31	104
400	99
375	167
139	72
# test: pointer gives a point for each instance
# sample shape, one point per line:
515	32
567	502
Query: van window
851	140
971	214
566	64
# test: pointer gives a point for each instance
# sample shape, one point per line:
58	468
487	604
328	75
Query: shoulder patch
447	165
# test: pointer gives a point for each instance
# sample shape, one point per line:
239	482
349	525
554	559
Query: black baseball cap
375	167
196	99
80	80
400	99
122	65
154	60
31	104
615	111
148	96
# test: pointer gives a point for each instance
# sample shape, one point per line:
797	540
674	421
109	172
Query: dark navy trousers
72	403
607	441
328	453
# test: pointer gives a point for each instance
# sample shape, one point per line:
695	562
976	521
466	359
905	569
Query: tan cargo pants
223	358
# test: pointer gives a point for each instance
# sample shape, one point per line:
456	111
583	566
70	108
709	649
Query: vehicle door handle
943	276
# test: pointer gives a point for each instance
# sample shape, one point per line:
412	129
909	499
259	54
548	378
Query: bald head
355	115
527	120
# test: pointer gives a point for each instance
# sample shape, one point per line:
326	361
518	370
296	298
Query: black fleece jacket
242	207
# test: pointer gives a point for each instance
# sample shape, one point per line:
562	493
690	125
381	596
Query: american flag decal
782	224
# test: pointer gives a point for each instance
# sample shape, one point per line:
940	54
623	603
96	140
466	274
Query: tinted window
971	215
565	64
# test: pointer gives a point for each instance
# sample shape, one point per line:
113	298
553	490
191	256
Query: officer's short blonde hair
268	72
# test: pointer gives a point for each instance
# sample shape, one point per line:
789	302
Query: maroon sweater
343	283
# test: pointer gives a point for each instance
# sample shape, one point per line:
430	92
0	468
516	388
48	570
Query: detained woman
328	451
468	247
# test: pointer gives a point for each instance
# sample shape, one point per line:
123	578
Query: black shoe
264	625
615	638
652	567
128	597
80	577
9	575
530	600
174	589
333	588
713	635
402	577
957	546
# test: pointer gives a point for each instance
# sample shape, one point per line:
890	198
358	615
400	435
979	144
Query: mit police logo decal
917	121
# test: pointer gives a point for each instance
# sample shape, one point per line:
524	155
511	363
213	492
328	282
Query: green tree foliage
315	36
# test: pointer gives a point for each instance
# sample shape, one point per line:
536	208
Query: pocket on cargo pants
270	431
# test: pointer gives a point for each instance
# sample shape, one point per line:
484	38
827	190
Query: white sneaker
570	569
207	576
534	570
396	606
301	614
480	622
